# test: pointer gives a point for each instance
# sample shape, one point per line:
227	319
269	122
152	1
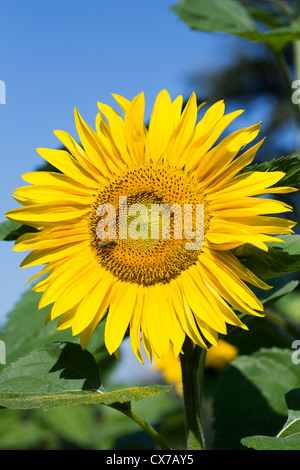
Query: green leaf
229	16
7	227
266	17
272	443
250	396
55	367
290	307
62	374
289	436
273	373
281	258
292	426
46	401
10	230
277	39
25	328
290	165
280	287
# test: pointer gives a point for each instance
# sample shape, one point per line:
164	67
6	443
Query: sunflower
155	287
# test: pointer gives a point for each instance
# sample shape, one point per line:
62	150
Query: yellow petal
119	315
122	102
177	334
135	131
50	255
90	142
89	307
117	129
76	150
202	307
176	109
240	162
184	313
235	286
78	289
43	214
65	321
161	127
250	184
218	158
135	325
244	273
56	180
39	194
157	322
63	274
183	133
64	162
202	143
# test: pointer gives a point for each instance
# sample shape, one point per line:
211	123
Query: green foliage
281	286
273	443
25	331
36	399
281	258
227	16
61	374
10	230
47	370
230	16
250	396
289	436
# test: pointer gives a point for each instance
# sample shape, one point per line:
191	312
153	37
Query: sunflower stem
192	367
145	426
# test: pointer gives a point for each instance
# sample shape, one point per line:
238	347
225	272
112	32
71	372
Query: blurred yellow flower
217	357
171	370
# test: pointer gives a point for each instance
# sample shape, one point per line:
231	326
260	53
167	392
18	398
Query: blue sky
57	55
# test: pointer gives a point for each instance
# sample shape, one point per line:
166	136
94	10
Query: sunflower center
147	225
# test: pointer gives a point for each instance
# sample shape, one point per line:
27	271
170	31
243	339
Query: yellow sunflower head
141	222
